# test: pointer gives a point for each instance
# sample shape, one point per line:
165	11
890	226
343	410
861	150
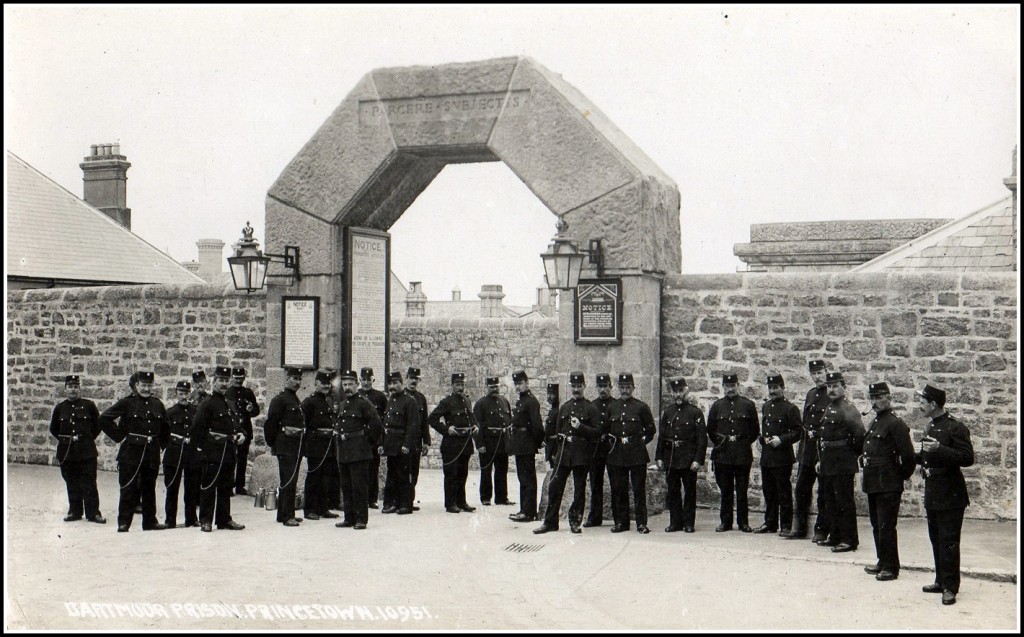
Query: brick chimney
415	300
105	182
211	259
490	301
544	304
456	294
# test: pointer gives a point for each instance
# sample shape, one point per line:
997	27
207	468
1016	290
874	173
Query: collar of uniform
289	389
943	416
525	393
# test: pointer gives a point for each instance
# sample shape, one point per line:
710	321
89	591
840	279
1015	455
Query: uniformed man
284	432
631	423
200	388
841	442
379	400
217	432
401	435
815	403
456	443
945	448
493	415
321	453
359	433
732	429
570	437
180	462
780	428
412	378
75	424
600	461
682	447
139	423
526	438
550	421
887	462
248	408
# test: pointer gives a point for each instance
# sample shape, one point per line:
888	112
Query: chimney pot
117	149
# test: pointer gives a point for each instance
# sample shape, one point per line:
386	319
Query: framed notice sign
365	336
300	331
598	312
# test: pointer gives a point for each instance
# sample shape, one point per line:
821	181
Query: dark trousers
841	508
80	480
398	482
215	493
944	532
174	476
414	466
354	488
137	483
620	479
496	463
596	475
317	483
333	489
288	472
884	510
806	476
456	472
242	462
526	473
681	497
778	497
733	479
559	476
374	477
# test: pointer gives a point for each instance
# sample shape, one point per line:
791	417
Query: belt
291	431
522	428
626	439
392	430
462	431
324	432
69	438
878	462
934	471
353	434
831	444
177	437
142	437
676	443
495	428
217	437
567	438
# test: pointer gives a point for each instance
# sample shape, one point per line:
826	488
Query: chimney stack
211	259
456	294
490	301
415	300
105	182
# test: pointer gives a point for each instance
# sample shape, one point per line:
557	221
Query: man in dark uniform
359	433
321	459
732	429
682	446
380	402
75	424
139	423
493	415
216	432
841	442
815	403
888	461
200	388
631	423
412	378
597	465
284	432
526	437
945	448
456	443
180	463
780	428
401	436
570	439
245	402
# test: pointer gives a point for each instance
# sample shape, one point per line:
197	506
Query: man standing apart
493	414
888	460
682	445
842	440
321	458
456	443
245	403
597	466
780	428
359	432
401	435
945	448
180	464
139	423
379	400
815	403
75	424
412	377
732	429
216	432
527	436
631	423
284	431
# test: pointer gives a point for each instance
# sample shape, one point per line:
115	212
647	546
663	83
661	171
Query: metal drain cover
515	547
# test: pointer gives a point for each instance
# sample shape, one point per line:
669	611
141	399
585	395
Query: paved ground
436	571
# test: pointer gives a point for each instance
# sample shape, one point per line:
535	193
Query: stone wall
955	331
106	333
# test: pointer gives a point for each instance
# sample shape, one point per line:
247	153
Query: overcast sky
759	114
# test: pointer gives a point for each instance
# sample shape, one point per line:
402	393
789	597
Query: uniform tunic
888	460
841	441
284	431
141	426
76	424
682	440
456	448
216	424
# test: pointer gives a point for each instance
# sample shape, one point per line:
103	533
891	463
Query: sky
759	114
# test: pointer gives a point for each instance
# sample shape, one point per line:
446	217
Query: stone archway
396	130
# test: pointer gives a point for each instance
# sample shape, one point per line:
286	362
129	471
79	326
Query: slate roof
52	234
983	240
